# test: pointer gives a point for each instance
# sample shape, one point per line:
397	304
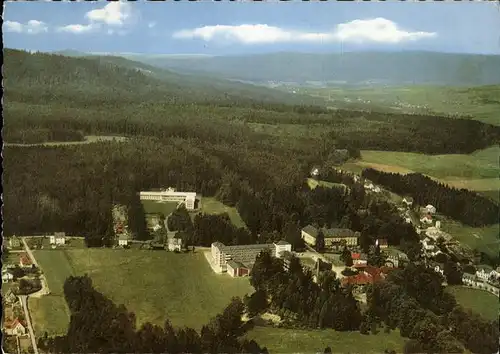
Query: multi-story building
244	255
333	237
170	195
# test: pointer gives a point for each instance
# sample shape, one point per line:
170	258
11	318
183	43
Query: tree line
459	204
97	325
414	301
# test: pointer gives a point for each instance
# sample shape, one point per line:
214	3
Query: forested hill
47	77
395	68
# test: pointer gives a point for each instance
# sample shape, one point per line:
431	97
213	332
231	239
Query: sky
232	28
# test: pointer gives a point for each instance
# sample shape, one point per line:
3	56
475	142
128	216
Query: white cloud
77	28
378	30
114	14
31	27
375	30
151	24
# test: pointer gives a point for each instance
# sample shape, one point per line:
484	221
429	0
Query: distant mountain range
352	68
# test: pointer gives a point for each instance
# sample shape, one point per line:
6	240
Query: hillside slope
396	68
49	77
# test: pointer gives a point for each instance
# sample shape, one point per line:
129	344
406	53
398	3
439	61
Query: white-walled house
123	240
7	276
430	209
408	201
15	328
59	238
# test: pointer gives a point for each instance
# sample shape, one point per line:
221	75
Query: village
340	252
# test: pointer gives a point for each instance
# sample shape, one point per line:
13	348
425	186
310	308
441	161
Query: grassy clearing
88	140
313	183
51	313
278	340
154	207
480	165
213	206
482	238
478	301
153	285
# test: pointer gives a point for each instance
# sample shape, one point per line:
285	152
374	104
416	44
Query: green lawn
278	340
482	164
213	206
154	285
154	207
483	238
312	183
478	301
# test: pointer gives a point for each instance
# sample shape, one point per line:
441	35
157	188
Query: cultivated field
482	238
479	166
479	103
279	340
478	301
154	285
213	206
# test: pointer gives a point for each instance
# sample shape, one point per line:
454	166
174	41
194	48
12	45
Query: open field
51	313
480	103
154	207
312	183
278	340
482	164
478	301
154	285
213	206
482	238
88	139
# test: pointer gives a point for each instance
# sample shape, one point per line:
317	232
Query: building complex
170	195
334	238
239	260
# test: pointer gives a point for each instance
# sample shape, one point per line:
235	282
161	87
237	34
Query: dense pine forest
459	204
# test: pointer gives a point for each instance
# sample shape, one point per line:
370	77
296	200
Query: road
45	288
313	254
28	320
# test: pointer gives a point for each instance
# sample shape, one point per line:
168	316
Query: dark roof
248	247
282	243
234	264
330	233
311	230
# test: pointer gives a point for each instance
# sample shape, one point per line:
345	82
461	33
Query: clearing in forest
155	285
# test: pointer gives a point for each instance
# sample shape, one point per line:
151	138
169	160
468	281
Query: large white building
170	195
244	255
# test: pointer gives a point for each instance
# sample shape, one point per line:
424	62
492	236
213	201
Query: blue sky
220	28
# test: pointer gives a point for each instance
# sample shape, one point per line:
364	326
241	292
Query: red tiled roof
13	323
356	255
360	279
25	259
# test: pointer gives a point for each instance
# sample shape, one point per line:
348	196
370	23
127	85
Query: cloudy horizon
232	28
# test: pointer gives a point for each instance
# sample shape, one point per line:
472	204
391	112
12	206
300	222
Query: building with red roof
25	260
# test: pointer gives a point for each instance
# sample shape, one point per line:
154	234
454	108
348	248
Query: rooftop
234	264
282	243
330	233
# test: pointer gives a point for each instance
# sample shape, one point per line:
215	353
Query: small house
359	258
484	272
123	240
282	247
15	328
382	243
14	242
429	244
427	219
59	238
237	269
430	209
408	201
10	298
25	261
7	276
174	244
377	189
156	227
